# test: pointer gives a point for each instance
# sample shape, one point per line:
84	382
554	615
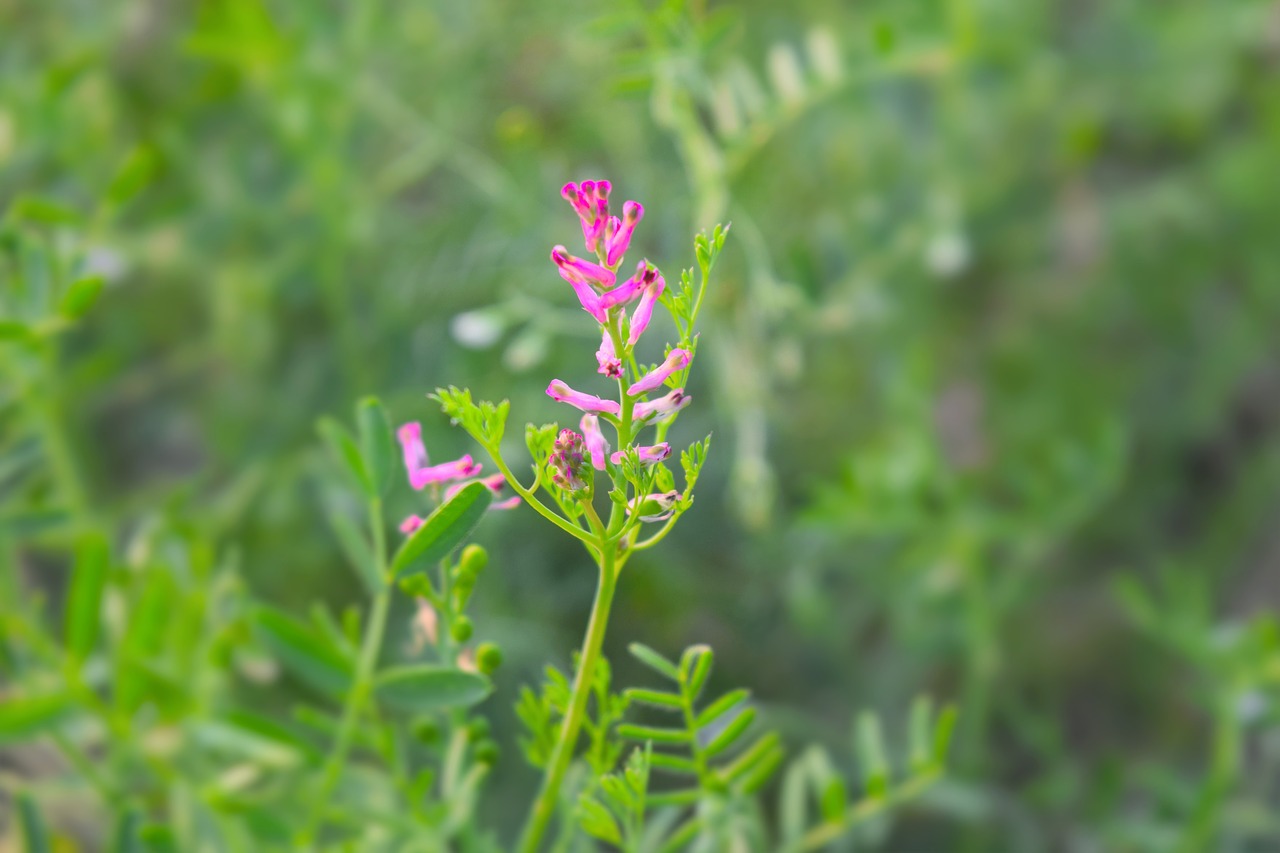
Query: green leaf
654	661
126	838
44	211
134	174
345	452
653	733
444	529
673	763
731	733
304	651
356	549
80	296
376	446
15	330
425	687
84	600
875	766
26	716
656	698
597	822
31	826
942	734
921	755
720	706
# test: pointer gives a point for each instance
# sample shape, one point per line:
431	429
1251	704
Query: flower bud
488	658
461	629
567	463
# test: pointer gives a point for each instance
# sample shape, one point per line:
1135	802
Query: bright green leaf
426	687
444	529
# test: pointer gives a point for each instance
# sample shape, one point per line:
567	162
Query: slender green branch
659	536
544	806
542	509
823	834
370	648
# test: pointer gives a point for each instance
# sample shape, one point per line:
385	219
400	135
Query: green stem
544	806
542	509
370	648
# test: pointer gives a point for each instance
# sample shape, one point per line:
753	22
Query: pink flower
410	524
496	483
566	462
607	357
594	440
677	359
590	201
644	311
586	402
662	408
576	269
415	461
647	455
629	289
618	238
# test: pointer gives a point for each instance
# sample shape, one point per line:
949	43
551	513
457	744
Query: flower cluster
457	473
610	304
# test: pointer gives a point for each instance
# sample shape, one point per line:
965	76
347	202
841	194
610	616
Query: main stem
544	807
370	648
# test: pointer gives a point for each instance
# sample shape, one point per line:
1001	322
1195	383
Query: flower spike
561	392
677	359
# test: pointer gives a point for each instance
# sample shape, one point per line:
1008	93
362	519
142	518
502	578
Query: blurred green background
991	359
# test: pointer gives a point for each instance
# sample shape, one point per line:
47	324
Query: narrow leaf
84	600
356	549
375	442
720	706
444	529
654	661
80	296
731	733
875	766
427	687
345	453
23	717
656	698
653	733
674	763
674	798
32	829
304	650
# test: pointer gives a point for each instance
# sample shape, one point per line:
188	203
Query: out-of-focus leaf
376	443
134	174
425	687
80	296
305	651
345	452
34	832
84	600
22	717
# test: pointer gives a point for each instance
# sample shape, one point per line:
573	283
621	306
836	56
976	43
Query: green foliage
485	421
443	530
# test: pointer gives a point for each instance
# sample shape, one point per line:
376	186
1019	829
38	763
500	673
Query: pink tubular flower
594	440
647	455
677	359
620	238
656	507
607	357
410	524
662	408
629	289
576	269
561	392
496	483
415	461
644	311
566	462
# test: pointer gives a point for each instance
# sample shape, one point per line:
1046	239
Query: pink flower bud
566	462
595	441
661	409
647	455
677	359
591	202
561	392
607	357
617	243
644	311
410	524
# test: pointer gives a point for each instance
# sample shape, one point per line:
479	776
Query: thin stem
370	647
544	806
543	510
